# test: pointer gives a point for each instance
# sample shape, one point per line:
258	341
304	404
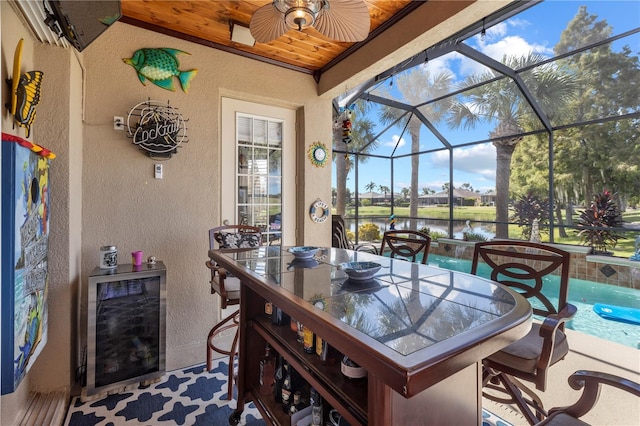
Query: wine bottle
316	407
351	370
286	385
267	372
296	403
278	377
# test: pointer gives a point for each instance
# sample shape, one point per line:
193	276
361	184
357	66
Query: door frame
228	182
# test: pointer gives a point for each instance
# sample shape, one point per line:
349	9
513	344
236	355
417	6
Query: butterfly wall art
25	92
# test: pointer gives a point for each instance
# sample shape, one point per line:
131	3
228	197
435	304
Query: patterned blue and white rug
181	397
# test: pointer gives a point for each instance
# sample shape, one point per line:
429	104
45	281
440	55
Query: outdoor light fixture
341	20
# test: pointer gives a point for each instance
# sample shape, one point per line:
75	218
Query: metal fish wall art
159	66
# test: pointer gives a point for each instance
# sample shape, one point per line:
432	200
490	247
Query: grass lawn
624	248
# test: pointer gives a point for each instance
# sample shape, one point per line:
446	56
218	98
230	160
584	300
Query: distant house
377	197
460	197
488	198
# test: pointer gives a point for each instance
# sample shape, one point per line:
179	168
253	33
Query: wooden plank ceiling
209	22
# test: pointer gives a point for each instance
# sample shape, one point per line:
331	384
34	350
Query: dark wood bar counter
421	333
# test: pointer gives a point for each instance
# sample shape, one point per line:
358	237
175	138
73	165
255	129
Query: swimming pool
583	294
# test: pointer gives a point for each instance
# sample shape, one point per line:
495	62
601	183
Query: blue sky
537	30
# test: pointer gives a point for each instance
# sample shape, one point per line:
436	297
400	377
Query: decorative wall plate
318	154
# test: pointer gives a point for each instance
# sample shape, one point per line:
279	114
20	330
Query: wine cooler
126	326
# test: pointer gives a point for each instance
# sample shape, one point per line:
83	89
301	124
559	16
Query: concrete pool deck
614	408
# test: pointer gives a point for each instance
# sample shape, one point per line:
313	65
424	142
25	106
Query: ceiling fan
340	20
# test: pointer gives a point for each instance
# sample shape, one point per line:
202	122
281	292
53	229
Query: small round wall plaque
318	154
319	211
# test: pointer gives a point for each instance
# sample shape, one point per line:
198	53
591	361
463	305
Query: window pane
275	134
244	129
275	162
259	132
275	190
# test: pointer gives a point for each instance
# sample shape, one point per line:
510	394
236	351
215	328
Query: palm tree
501	102
418	86
361	141
384	189
370	187
405	192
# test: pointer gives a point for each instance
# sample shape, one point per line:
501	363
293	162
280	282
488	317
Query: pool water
583	294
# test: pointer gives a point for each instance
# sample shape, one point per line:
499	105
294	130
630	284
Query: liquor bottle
278	317
267	372
296	404
286	388
351	370
279	377
300	330
268	308
293	324
327	353
308	340
321	348
316	407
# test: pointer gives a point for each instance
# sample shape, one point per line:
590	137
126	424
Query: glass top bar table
420	331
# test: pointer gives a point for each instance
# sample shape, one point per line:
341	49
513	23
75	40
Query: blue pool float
618	313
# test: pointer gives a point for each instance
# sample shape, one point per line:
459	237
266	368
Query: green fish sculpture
159	66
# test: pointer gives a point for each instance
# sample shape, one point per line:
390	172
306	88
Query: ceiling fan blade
267	24
344	20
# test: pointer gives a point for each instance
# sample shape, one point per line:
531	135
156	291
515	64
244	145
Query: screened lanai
526	121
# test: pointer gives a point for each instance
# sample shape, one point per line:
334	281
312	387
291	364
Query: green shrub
596	221
435	235
474	236
369	232
528	208
350	235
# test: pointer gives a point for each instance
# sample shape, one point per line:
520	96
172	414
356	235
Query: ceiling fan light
285	5
299	18
340	20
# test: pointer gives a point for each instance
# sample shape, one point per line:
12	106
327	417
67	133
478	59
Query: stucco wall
124	205
103	186
58	127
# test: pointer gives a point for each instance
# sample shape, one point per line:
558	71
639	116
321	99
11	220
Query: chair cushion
231	285
234	240
523	354
561	419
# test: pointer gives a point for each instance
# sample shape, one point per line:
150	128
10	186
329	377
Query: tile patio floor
614	408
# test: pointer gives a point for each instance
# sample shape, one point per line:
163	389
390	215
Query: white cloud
512	46
477	160
497	30
394	140
438	65
496	43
